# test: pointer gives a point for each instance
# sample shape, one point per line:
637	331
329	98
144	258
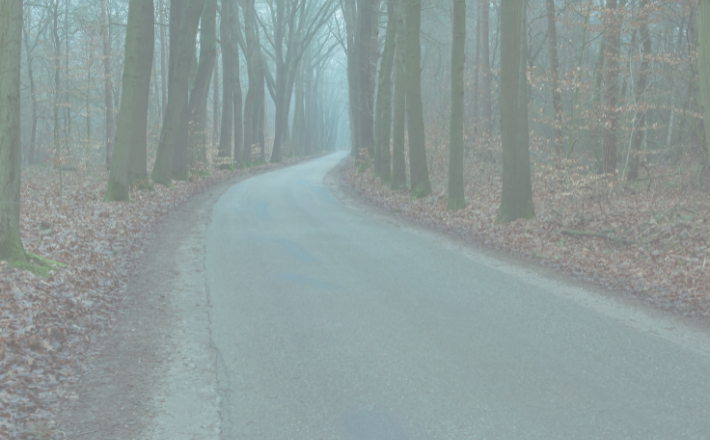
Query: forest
569	132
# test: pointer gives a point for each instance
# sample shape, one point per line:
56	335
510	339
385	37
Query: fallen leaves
47	325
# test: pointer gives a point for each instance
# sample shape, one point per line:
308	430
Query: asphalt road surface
331	323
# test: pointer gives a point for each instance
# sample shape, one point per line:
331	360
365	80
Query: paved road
333	324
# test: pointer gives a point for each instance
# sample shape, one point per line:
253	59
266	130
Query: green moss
35	264
420	191
115	192
227	166
155	177
43	261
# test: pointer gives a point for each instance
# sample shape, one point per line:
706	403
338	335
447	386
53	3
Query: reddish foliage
666	217
47	324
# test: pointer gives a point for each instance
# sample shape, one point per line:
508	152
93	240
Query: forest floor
49	327
649	238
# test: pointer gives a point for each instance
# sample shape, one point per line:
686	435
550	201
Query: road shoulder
691	333
153	376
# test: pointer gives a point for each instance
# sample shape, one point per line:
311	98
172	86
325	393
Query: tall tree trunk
180	167
163	68
67	94
476	90
349	9
260	116
131	131
578	81
704	65
639	129
611	74
456	198
308	127
298	111
372	75
11	248
598	131
178	83
674	88
200	90
108	86
33	90
250	106
225	139
89	81
555	74
57	86
485	62
418	171
516	196
365	79
216	106
383	106
280	98
239	156
399	171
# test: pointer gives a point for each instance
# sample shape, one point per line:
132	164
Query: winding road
332	323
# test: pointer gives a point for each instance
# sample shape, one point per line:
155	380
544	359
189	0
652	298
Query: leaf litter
48	325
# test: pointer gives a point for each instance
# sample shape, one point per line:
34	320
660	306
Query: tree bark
704	65
200	90
178	82
57	85
456	198
383	105
476	90
67	94
33	90
640	124
240	158
250	104
349	9
365	77
516	196
131	133
299	111
279	101
611	73
11	249
163	68
418	171
180	166
485	62
555	74
399	171
216	106
225	138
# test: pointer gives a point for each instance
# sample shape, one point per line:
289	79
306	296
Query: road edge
691	333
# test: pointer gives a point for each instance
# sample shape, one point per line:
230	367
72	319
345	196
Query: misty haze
354	219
